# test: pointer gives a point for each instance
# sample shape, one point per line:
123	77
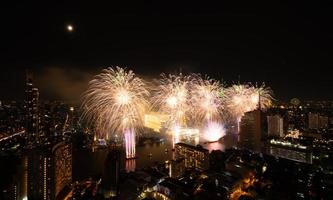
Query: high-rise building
62	161
313	120
251	130
322	122
32	115
275	125
176	168
39	179
194	156
317	121
289	150
110	177
49	171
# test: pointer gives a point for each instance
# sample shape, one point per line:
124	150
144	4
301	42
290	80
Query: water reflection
130	165
214	146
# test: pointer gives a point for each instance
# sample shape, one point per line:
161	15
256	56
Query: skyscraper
39	168
176	167
32	115
251	130
275	125
317	121
313	120
49	171
322	122
110	178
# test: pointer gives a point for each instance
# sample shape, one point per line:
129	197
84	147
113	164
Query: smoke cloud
57	83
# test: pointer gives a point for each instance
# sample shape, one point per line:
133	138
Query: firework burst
244	98
115	102
240	100
213	131
171	97
206	98
262	96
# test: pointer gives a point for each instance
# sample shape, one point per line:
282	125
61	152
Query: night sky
286	45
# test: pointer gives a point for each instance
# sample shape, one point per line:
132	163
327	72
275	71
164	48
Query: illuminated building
275	125
62	155
169	189
11	193
155	121
110	177
185	135
49	171
24	181
250	130
15	185
323	122
330	121
32	115
194	156
290	150
317	121
176	168
189	136
313	120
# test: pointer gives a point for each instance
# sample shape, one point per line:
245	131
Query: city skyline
161	101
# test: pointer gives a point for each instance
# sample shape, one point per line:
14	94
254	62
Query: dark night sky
286	45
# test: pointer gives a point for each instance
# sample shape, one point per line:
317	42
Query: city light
180	134
155	120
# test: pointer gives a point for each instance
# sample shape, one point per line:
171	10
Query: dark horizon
285	45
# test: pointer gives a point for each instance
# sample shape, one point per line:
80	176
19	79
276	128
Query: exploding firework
245	98
213	132
172	97
239	99
206	98
115	102
262	96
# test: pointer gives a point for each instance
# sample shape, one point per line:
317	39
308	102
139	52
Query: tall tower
110	177
275	126
251	130
32	116
49	171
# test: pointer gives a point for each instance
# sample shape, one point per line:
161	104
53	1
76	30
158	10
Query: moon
70	28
